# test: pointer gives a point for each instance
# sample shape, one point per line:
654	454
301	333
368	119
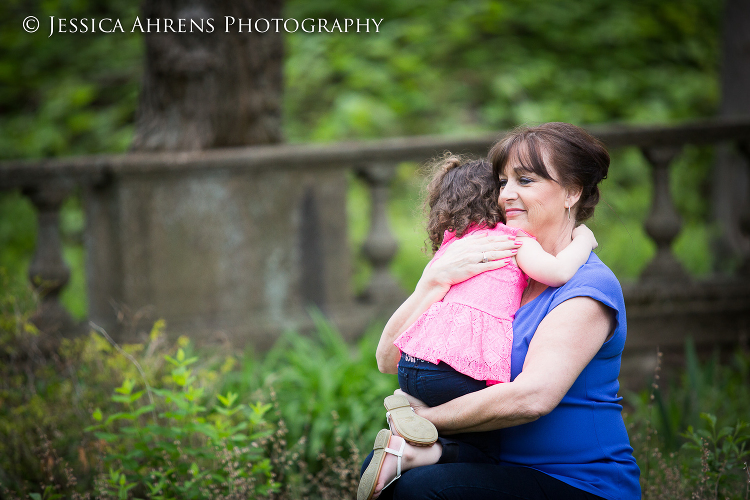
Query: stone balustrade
244	240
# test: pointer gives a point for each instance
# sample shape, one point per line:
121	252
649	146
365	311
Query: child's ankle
416	456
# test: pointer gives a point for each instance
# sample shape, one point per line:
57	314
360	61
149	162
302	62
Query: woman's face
531	202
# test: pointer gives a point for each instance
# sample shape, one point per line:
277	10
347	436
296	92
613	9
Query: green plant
679	446
143	399
325	388
312	405
723	454
192	448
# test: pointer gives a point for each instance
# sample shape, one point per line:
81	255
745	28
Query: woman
556	429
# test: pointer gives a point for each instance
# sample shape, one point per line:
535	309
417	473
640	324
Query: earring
568	213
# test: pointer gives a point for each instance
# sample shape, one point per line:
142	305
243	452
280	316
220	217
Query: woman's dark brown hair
579	159
460	193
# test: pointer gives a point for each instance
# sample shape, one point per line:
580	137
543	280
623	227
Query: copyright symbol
31	24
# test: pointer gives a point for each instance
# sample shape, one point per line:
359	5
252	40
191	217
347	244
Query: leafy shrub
691	438
723	457
174	447
325	389
171	422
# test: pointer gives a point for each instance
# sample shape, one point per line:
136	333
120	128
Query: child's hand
583	231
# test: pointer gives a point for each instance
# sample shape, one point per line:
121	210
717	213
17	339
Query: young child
463	343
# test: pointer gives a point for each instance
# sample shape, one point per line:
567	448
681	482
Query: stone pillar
744	220
731	179
48	272
380	246
663	223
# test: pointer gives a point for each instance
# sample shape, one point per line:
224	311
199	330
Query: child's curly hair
461	192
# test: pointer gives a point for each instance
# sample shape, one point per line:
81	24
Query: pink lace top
471	328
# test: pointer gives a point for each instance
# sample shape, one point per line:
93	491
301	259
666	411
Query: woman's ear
572	195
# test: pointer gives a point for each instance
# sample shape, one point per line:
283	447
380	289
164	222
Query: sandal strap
399	453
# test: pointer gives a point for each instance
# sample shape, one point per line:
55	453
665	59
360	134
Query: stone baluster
744	148
48	272
380	246
663	223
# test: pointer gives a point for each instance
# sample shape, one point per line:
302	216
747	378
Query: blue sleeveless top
583	441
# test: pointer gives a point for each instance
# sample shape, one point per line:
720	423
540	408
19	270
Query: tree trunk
233	255
731	181
213	88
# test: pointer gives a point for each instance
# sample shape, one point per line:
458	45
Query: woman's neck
552	244
532	291
556	241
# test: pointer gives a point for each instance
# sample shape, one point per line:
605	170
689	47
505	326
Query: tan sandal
404	422
369	479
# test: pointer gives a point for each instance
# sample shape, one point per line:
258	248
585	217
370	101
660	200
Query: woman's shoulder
595	279
597	274
594	270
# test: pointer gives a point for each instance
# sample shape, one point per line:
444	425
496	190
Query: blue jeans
434	384
469	481
437	384
468	468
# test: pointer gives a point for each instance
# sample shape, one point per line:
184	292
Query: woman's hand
415	403
564	343
469	256
461	261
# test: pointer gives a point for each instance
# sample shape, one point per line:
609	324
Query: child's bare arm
556	270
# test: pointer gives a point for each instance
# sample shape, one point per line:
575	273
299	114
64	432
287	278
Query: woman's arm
461	261
564	343
556	270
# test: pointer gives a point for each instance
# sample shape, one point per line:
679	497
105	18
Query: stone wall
219	251
235	244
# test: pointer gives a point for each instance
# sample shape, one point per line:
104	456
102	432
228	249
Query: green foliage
434	67
70	93
712	463
690	438
451	67
17	234
44	403
182	422
17	304
171	422
723	454
325	392
188	450
717	386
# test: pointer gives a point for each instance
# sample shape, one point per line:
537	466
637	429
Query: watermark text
229	24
